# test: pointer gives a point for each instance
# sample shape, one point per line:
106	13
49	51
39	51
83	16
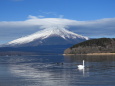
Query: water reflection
42	75
93	62
46	73
90	58
96	67
44	70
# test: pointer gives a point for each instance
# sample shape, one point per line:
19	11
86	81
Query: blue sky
16	10
99	12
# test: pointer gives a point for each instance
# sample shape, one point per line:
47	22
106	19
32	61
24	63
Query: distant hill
102	45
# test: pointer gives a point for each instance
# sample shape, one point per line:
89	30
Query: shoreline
92	54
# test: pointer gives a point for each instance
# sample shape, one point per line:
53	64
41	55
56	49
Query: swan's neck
83	62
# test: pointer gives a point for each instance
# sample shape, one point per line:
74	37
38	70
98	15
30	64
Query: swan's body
81	66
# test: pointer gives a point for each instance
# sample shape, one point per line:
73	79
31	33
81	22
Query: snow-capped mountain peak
46	33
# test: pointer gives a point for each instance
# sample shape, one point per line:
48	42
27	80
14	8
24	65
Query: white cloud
97	28
40	16
49	13
32	17
54	14
61	16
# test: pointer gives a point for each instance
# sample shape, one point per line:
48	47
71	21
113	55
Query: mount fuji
50	40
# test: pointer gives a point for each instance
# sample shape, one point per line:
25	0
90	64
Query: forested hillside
102	45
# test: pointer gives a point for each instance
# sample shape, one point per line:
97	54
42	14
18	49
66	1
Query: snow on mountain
41	36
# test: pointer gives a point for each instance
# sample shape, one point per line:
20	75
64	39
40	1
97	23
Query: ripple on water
49	71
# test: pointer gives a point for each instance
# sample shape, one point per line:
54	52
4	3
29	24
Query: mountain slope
51	36
48	41
102	45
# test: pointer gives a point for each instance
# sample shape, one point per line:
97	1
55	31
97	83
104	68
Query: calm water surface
57	70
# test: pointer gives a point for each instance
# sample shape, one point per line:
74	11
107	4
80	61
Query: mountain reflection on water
48	70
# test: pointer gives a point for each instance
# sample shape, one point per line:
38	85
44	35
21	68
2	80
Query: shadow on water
90	58
57	70
93	62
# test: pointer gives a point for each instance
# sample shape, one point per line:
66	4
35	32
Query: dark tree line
102	45
95	42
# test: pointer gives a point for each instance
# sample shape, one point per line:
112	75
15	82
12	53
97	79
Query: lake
57	70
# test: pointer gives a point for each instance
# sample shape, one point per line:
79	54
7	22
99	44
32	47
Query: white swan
81	66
